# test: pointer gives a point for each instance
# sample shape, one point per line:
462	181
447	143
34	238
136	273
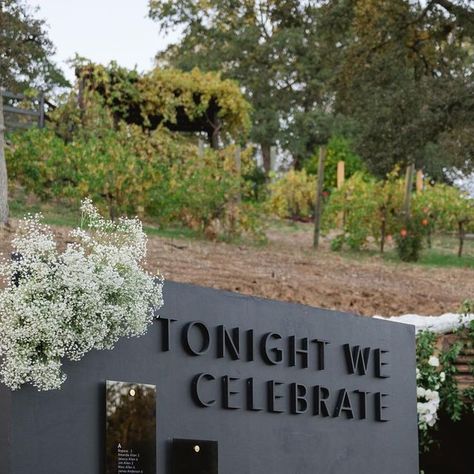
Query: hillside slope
287	269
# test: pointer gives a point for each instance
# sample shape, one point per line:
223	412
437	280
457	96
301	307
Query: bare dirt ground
287	269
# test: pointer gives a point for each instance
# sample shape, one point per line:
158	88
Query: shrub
446	208
136	172
115	167
293	195
95	149
353	208
409	239
205	193
365	207
338	149
37	159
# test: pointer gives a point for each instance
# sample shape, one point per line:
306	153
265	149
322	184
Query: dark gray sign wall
62	432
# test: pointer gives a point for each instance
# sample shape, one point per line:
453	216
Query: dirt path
288	270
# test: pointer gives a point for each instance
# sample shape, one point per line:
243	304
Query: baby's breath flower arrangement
58	305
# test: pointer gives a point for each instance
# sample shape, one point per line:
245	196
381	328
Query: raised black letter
343	404
379	406
362	403
273	396
356	360
195	390
225	340
294	351
277	358
250	345
321	395
251	396
166	333
379	364
321	352
227	392
298	401
206	338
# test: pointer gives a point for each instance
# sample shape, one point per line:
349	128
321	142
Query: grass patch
173	232
54	214
443	254
288	225
438	259
65	215
435	258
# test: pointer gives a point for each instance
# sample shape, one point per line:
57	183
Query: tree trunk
214	134
297	162
266	157
319	197
215	138
3	169
81	100
462	234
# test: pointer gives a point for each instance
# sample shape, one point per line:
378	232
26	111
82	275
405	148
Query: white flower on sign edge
428	399
428	409
68	303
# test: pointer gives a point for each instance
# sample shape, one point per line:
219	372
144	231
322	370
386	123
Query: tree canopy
393	75
182	101
403	75
267	47
25	50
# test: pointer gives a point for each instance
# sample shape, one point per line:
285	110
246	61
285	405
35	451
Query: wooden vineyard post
200	148
341	175
319	197
408	188
41	116
419	189
419	181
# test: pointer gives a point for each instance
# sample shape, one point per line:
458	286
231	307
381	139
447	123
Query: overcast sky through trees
103	30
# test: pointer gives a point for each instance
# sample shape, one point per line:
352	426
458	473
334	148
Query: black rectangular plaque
131	428
194	456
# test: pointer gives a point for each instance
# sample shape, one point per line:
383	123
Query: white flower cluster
59	305
433	361
427	407
428	399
